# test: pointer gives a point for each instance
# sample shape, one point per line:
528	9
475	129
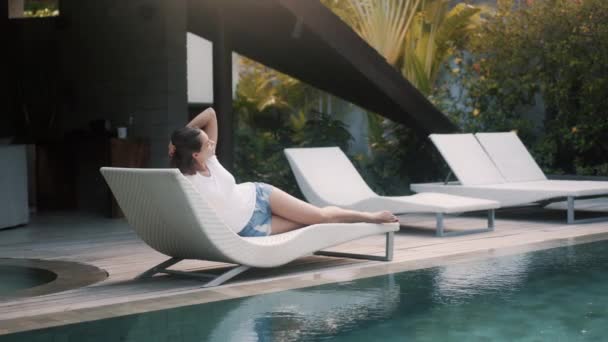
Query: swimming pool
559	294
16	278
21	278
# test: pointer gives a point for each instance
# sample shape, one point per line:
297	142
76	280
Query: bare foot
382	217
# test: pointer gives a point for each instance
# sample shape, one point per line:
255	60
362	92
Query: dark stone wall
122	61
115	60
126	59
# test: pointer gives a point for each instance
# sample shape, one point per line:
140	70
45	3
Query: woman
249	209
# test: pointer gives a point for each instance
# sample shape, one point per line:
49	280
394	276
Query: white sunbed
328	178
172	217
498	166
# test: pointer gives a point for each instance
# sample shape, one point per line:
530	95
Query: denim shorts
259	224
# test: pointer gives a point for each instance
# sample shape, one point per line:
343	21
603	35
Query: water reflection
308	313
305	314
459	282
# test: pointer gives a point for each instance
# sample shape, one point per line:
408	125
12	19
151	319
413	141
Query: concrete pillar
177	85
222	92
5	98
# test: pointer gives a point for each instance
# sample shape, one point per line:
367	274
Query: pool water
559	294
16	278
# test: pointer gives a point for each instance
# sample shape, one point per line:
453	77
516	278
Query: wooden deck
112	246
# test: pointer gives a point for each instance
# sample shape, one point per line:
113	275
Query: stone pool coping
275	284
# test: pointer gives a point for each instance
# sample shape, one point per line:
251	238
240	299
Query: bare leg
281	225
292	209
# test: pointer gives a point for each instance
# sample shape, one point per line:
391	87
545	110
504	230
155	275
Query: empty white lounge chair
516	164
510	157
327	178
171	216
497	166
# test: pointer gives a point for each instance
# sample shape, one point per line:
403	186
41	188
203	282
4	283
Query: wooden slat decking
111	245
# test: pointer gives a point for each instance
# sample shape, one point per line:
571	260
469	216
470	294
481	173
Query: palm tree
383	24
435	34
267	97
258	84
415	36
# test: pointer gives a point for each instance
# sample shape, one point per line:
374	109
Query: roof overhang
304	39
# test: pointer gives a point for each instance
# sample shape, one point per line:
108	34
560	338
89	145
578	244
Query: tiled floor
111	245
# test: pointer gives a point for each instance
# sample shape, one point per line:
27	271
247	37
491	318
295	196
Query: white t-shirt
233	203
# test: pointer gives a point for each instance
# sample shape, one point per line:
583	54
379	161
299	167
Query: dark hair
186	141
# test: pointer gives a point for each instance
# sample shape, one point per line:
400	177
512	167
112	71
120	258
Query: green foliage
322	130
259	157
436	33
274	112
417	38
40	8
265	128
399	157
557	49
478	103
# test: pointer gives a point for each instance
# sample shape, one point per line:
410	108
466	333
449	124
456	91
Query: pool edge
281	283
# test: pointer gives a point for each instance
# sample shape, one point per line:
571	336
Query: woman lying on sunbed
249	209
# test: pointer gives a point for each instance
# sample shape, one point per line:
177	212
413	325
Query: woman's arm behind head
207	121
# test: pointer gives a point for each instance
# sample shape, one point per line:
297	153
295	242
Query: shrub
546	60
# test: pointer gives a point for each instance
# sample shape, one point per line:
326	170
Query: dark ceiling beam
307	41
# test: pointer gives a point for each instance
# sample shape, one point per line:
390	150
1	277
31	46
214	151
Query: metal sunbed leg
219	280
491	219
389	246
570	210
440	224
160	268
440	231
215	279
388	254
572	218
